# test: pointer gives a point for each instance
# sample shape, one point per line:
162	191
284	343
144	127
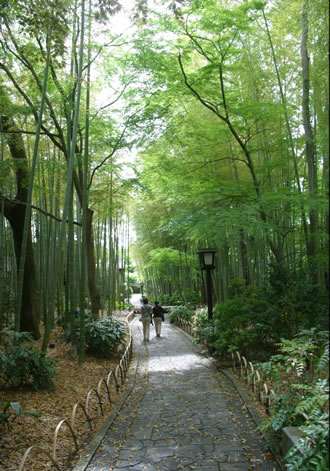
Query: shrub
178	298
315	445
192	296
299	377
255	319
104	335
180	312
165	300
231	324
240	324
21	363
201	324
174	299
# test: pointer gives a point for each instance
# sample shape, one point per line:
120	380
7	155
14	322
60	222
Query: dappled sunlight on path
178	416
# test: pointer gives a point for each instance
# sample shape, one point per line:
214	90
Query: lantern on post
121	279
206	261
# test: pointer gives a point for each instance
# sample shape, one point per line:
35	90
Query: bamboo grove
242	162
203	124
59	255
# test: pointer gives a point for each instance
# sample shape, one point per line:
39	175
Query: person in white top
146	313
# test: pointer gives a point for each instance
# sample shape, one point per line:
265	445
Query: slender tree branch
51	136
198	46
15	202
118	141
119	96
223	55
53	72
207	104
30	133
100	50
27	64
19	89
276	250
30	67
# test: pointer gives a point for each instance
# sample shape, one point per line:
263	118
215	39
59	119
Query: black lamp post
121	271
206	261
141	286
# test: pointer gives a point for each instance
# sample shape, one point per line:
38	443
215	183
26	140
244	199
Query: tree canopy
203	123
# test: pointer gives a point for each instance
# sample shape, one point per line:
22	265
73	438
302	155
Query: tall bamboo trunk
29	318
309	145
15	214
289	132
93	290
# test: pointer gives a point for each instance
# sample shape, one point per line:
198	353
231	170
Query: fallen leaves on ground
74	382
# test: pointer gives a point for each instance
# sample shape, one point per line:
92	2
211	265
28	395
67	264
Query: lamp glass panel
208	259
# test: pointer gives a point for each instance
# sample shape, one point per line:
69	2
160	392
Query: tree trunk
93	291
244	258
309	144
14	211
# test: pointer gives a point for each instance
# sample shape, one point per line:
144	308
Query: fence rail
245	370
100	395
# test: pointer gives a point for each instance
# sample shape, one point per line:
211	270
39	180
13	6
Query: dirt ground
73	384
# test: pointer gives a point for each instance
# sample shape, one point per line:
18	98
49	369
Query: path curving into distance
181	414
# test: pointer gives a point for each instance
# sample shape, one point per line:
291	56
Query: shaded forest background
203	124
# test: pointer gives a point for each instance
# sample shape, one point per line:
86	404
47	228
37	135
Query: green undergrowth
103	335
22	364
298	374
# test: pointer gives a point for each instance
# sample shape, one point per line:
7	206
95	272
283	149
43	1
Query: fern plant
317	398
324	359
301	351
180	312
315	445
299	377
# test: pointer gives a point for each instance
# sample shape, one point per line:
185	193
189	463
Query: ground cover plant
6	416
254	319
103	335
300	378
180	312
21	363
33	422
315	445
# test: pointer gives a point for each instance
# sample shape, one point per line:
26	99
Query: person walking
146	313
158	316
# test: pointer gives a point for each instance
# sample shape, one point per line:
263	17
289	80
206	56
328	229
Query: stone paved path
181	415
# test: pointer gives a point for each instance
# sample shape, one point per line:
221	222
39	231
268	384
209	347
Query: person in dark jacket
158	316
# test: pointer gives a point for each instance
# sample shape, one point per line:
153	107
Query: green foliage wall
228	169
